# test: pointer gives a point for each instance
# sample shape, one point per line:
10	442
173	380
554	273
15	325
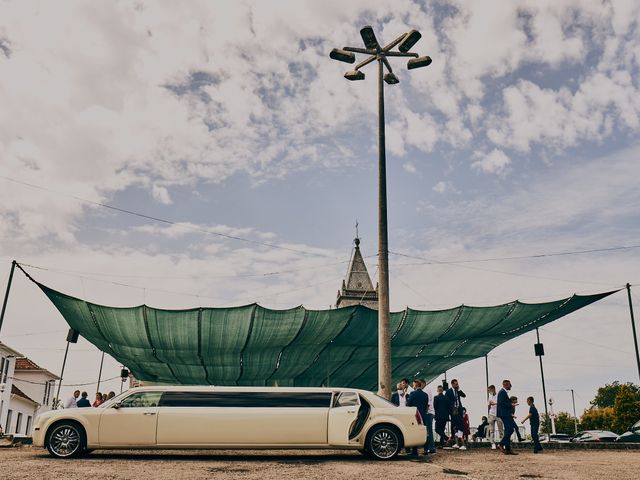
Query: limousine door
343	414
132	421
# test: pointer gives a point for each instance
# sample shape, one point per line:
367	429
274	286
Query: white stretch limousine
233	417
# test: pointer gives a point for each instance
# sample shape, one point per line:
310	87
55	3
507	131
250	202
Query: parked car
632	435
555	437
594	436
233	417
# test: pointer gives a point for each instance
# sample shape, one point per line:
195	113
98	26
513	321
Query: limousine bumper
416	436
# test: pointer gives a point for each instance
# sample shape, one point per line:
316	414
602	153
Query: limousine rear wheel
384	442
66	440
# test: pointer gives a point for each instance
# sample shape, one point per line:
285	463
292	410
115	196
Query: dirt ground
34	463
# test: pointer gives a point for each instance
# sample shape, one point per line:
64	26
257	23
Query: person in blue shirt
83	402
534	423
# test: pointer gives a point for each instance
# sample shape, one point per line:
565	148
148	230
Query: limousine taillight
418	417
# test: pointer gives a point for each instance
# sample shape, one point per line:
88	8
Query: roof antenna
357	239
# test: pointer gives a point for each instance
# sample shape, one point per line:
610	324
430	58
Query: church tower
357	289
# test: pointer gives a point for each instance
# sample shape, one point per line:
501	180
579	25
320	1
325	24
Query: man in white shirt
492	404
431	446
72	402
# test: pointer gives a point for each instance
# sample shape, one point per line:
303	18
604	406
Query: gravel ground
34	463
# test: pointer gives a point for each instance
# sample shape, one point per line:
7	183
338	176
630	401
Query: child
534	422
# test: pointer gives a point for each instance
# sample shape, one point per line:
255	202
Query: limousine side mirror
117	405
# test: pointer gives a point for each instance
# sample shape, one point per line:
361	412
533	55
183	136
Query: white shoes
456	446
493	446
463	447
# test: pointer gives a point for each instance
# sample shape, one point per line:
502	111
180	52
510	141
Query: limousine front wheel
65	440
384	442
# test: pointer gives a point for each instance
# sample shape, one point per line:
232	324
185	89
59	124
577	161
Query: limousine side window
346	399
246	399
141	399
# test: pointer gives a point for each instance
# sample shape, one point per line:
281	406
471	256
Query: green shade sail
253	345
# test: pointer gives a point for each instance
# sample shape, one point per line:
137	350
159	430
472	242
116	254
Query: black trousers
535	427
441	424
509	428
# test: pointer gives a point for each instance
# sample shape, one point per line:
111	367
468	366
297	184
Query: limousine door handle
149	413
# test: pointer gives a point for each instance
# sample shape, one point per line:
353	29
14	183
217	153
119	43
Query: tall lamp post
374	51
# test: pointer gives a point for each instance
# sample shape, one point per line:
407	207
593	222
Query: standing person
467	428
441	408
514	402
455	395
111	395
72	402
405	385
420	400
505	412
534	423
428	421
83	402
98	400
493	419
399	397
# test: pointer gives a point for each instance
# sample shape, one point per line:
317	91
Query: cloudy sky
228	119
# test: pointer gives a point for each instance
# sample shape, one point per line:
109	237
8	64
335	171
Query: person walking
72	402
514	402
83	402
420	400
455	395
505	413
492	404
534	423
441	408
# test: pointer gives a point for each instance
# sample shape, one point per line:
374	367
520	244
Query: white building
25	391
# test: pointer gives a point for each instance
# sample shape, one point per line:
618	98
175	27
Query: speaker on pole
72	336
539	349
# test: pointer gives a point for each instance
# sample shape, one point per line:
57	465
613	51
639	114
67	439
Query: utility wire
164	221
65	384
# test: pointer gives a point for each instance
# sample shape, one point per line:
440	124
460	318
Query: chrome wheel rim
384	443
64	441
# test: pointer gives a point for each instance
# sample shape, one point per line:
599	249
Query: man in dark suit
419	399
441	406
505	413
454	396
399	397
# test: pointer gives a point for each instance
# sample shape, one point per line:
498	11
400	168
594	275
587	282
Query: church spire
357	288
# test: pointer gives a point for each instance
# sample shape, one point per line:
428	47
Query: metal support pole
633	327
384	341
6	293
486	373
64	362
544	388
100	373
575	418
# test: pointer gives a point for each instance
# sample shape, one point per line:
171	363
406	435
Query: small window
7	425
346	399
18	422
28	430
141	400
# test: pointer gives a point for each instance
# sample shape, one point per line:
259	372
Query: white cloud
409	167
443	187
495	161
161	194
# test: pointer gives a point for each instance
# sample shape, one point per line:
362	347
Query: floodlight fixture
342	55
410	39
391	78
354	75
418	62
369	38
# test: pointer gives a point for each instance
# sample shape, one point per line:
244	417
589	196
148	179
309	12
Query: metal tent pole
633	327
64	362
486	373
540	353
100	373
6	293
575	418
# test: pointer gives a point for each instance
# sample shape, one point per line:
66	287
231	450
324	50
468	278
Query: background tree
597	419
564	423
606	396
626	409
